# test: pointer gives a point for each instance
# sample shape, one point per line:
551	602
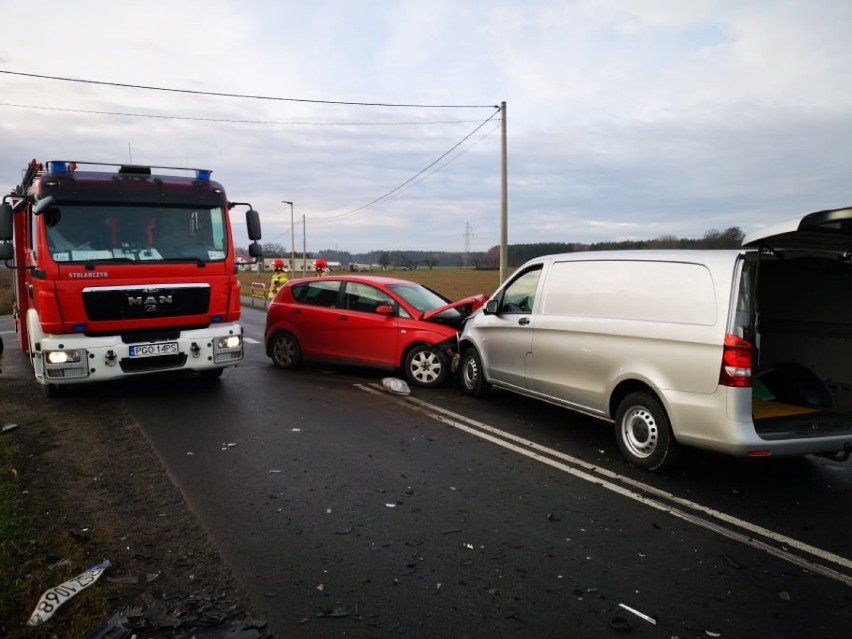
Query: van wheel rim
640	432
470	373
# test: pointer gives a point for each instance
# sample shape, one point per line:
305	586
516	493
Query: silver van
746	352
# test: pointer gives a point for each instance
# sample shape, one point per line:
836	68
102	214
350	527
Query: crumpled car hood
463	307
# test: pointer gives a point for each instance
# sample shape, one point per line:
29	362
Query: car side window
321	292
365	298
519	296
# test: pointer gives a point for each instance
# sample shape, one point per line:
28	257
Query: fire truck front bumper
71	359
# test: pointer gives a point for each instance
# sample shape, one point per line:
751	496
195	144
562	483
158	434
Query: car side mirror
385	309
491	307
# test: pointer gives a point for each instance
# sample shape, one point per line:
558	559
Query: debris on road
58	595
641	615
396	386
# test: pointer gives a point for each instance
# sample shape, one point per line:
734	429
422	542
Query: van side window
519	296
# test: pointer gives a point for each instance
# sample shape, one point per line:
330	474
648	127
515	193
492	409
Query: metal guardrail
258	291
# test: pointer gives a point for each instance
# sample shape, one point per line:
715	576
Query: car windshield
420	297
96	233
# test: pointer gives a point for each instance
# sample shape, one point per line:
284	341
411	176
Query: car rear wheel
644	434
285	351
426	367
472	377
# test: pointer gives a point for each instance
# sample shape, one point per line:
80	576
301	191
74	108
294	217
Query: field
454	283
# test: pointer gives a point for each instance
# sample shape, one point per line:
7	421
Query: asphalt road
347	511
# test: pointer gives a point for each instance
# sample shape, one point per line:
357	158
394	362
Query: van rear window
631	289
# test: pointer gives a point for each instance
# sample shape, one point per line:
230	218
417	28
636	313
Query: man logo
150	302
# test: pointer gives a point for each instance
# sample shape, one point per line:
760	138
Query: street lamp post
292	240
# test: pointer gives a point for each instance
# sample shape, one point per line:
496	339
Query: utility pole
292	240
504	199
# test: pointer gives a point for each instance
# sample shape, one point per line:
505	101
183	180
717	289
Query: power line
233	121
412	178
219	94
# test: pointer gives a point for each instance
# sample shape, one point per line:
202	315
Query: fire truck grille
159	363
104	304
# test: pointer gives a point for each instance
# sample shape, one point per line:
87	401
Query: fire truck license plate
150	350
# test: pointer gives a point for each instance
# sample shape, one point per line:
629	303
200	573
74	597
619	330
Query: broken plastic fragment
8	427
58	595
396	386
641	615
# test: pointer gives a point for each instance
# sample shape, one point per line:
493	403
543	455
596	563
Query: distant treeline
517	253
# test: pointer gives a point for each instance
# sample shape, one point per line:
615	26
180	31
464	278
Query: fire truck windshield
96	232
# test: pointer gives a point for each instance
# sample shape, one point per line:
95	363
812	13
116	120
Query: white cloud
625	119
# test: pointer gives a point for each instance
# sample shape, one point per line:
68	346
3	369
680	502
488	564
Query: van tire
472	377
644	434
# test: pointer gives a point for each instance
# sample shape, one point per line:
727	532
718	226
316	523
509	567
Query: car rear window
321	292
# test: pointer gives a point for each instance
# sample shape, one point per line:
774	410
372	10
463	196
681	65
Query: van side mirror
5	222
253	224
491	307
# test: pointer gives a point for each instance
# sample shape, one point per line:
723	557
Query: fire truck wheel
51	390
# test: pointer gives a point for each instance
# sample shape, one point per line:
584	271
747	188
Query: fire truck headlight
232	341
63	357
66	364
228	349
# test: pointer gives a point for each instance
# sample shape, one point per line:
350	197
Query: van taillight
736	362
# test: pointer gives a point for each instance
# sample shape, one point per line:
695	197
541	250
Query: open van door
802	314
829	230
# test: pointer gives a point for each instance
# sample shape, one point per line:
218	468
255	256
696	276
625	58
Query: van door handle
524	321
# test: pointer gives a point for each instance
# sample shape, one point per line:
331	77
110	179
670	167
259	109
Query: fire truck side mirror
255	250
253	224
5	222
44	204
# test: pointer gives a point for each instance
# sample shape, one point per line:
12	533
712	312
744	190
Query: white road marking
648	495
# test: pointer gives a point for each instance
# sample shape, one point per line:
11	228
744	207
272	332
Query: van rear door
830	230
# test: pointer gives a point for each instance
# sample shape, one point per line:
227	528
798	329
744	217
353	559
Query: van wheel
426	367
472	377
285	351
644	434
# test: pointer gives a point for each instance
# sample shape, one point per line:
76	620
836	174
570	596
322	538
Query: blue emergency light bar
67	166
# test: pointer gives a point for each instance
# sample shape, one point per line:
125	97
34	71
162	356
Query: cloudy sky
626	119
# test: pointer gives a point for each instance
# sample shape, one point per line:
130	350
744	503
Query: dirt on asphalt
93	489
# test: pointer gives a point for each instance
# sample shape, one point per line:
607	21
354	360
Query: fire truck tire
51	390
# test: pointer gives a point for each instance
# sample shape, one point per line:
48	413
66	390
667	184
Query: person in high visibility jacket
279	278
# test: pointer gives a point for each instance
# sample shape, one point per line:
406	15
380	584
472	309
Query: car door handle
524	321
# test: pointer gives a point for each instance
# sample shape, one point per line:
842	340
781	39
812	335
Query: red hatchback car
366	321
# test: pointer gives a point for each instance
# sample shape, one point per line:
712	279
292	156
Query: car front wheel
285	351
472	378
644	434
426	367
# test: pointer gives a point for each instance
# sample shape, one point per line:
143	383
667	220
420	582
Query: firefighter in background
279	278
321	267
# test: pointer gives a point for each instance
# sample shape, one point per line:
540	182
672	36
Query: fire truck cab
123	272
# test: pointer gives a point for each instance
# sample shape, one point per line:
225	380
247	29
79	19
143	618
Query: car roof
364	279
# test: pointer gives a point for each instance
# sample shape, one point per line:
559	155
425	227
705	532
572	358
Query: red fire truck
123	270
